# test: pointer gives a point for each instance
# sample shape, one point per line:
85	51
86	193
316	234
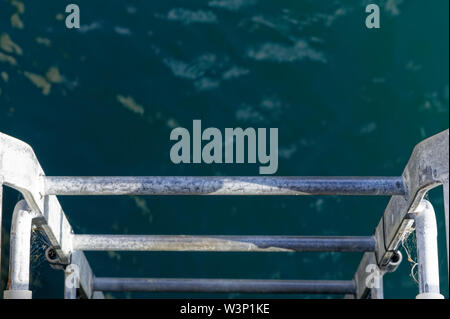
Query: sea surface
103	99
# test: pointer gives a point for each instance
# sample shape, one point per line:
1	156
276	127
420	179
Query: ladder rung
225	285
213	185
221	243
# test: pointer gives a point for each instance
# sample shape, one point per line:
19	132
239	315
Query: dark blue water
103	101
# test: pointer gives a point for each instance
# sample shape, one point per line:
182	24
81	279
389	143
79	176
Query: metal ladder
427	168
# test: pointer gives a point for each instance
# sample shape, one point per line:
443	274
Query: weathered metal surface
221	243
70	292
427	168
212	185
427	248
80	267
446	200
224	285
19	261
98	295
1	227
21	170
378	292
394	262
368	278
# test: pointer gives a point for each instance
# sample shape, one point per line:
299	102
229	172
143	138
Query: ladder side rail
427	168
1	224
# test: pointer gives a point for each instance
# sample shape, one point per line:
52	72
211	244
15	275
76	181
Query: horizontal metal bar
213	185
221	243
224	285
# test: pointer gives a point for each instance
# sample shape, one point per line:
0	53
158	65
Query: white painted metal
19	262
427	250
1	215
429	295
20	169
368	278
446	200
427	168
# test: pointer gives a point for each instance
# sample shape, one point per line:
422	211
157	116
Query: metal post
368	279
221	243
213	185
19	263
446	200
378	291
1	227
427	251
225	285
79	279
71	282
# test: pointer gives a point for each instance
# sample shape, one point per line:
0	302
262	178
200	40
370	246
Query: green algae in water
8	45
8	59
130	104
40	82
